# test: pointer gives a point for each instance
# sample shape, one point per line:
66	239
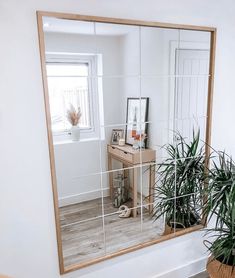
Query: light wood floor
83	236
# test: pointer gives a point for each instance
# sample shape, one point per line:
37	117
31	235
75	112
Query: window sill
69	141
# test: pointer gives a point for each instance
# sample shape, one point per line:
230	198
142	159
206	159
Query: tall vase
75	133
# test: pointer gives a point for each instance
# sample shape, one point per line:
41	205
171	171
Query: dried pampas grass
74	115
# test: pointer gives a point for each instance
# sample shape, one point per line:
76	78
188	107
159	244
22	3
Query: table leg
125	171
135	186
126	181
110	176
152	170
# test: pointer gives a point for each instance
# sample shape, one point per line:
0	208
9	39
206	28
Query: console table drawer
121	154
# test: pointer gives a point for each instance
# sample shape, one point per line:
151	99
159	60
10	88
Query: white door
190	94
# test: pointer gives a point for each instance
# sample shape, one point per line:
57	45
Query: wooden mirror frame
40	15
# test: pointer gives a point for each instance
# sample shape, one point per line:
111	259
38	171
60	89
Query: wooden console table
133	158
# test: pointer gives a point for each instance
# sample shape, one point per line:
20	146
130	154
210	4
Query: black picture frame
141	121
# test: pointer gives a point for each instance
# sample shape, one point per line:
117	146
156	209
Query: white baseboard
79	198
185	271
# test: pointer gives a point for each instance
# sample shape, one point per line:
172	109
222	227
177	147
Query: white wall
27	234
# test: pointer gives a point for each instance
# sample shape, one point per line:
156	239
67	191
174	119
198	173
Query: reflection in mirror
120	47
157	56
125	102
191	92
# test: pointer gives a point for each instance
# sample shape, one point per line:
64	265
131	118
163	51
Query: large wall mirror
128	106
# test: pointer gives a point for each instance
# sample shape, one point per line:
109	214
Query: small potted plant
180	184
74	116
220	206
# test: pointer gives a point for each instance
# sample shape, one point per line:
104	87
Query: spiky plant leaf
221	205
179	188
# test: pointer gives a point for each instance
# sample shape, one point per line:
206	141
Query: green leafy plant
221	205
179	188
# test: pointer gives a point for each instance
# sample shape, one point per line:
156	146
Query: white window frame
93	97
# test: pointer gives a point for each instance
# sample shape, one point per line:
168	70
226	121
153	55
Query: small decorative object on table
117	134
74	117
139	141
121	142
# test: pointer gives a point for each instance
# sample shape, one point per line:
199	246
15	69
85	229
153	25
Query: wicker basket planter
170	229
216	269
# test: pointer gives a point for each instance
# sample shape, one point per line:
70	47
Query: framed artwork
116	135
136	118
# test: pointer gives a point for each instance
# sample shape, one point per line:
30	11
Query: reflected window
72	81
68	85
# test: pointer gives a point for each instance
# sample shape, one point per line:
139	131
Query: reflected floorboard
83	235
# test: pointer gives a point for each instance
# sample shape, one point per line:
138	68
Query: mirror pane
119	46
191	212
121	233
193	53
69	36
157	50
81	210
123	189
190	107
116	91
114	155
79	246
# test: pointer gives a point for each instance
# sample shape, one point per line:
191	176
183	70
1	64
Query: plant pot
169	229
75	133
218	270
